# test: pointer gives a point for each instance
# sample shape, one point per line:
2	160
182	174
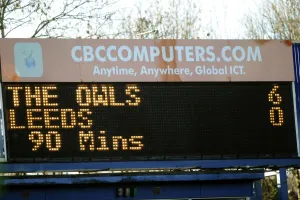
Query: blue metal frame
204	164
144	191
283	190
296	61
133	179
257	191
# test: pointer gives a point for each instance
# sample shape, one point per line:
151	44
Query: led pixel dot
273	94
57	141
64	118
47	96
16	100
12	120
276	101
137	99
100	99
36	137
33	95
86	137
279	120
103	142
48	118
85	122
31	119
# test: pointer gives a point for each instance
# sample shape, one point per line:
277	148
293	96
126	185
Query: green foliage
269	188
293	184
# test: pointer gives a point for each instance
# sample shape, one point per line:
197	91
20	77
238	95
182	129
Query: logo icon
28	59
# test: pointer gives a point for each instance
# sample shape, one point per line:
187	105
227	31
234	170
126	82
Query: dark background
182	120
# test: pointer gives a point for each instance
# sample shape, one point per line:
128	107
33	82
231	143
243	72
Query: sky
229	14
224	15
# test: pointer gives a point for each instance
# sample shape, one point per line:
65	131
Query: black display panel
137	121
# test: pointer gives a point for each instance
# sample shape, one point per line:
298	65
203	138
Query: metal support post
283	188
258	190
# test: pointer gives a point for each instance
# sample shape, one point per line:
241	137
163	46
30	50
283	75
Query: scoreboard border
3	125
296	88
229	162
166	158
295	116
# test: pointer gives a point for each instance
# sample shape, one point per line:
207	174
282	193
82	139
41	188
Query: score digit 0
276	99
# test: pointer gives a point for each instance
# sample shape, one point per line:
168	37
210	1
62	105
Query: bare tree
180	19
275	19
49	18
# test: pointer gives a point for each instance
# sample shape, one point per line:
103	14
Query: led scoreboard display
95	120
82	100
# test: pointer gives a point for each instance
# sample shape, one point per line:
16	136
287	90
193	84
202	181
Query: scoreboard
50	117
99	120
